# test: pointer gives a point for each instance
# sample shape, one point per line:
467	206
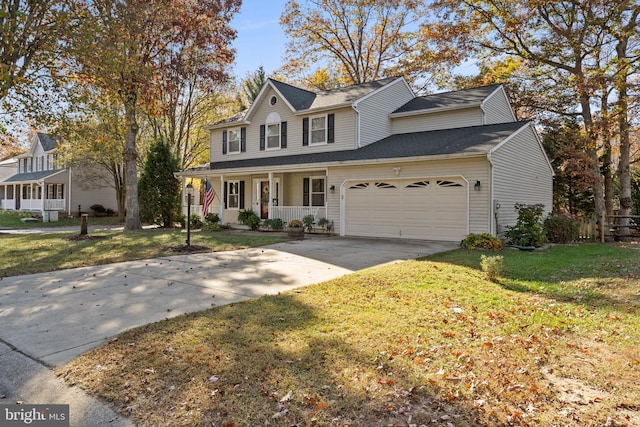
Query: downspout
493	216
355	108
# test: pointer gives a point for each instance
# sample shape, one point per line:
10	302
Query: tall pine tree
158	188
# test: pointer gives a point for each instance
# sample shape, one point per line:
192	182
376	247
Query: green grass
430	342
13	220
41	252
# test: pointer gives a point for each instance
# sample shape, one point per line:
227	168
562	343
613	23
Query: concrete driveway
49	319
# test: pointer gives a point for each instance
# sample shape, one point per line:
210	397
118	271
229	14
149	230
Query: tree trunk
592	151
130	155
607	160
622	105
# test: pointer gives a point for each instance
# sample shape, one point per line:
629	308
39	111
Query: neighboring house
38	184
379	161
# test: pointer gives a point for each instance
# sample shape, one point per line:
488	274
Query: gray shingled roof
48	142
347	94
468	140
299	99
30	176
473	96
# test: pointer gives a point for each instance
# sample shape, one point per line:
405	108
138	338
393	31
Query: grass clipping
414	343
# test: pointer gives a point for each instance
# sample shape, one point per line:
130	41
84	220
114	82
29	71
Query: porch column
222	200
270	208
42	196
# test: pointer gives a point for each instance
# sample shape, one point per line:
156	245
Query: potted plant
295	230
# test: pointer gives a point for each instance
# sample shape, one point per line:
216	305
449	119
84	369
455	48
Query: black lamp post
189	189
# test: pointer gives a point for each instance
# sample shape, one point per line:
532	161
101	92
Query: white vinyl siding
375	109
436	121
497	109
521	175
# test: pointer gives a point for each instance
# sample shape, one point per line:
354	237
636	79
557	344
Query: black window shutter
224	142
226	192
330	128
243	139
241	195
283	135
262	132
305	192
305	131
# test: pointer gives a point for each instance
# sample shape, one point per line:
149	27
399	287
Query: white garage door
432	209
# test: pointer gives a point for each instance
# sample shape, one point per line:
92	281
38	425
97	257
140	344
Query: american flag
209	195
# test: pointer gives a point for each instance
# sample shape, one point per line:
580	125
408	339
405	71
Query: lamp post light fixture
189	191
476	187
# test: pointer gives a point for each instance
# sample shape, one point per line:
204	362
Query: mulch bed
188	249
83	237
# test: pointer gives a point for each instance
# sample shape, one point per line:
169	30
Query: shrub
249	218
528	230
323	222
492	267
196	221
561	228
98	209
274	223
212	218
308	222
481	241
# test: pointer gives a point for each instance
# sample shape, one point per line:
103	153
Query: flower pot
295	233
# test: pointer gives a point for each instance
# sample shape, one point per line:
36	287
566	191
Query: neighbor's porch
32	196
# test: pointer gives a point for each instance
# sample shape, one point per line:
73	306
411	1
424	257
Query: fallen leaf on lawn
149	371
321	405
213	379
287	397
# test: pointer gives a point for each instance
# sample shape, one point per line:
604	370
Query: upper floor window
273	134
318	130
234	141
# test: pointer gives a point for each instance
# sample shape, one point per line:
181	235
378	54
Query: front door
264	199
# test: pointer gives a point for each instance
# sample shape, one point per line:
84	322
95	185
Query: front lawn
41	252
427	342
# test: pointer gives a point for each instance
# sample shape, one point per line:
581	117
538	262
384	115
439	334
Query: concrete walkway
49	319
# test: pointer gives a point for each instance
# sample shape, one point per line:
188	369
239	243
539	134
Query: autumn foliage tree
125	48
29	29
363	40
586	49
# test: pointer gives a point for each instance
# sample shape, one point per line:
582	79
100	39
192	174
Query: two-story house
379	161
38	183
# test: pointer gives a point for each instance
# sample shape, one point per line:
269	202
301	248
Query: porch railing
288	213
54	204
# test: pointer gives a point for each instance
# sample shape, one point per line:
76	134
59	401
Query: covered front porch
32	196
285	195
